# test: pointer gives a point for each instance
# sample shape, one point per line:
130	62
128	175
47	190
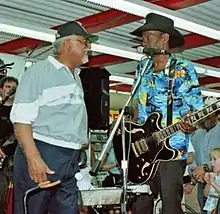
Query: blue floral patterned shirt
152	96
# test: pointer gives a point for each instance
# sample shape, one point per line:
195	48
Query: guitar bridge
157	138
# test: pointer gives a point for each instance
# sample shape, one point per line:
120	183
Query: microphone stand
94	170
7	97
124	162
124	165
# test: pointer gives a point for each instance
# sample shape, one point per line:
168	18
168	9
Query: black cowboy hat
163	24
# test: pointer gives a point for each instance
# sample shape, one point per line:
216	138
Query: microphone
13	90
152	51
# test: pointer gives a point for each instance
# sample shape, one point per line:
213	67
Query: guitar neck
192	119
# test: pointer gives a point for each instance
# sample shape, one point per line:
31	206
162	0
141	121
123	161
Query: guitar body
143	165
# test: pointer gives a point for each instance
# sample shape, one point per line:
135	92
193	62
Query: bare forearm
24	135
190	158
216	187
109	166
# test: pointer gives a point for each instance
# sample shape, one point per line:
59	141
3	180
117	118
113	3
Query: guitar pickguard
135	130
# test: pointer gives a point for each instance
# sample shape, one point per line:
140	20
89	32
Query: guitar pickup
139	147
143	145
134	150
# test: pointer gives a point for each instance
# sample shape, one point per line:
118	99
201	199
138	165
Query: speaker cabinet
95	83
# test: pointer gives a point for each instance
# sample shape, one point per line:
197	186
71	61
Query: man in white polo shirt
50	122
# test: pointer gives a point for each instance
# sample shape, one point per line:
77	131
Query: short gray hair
58	44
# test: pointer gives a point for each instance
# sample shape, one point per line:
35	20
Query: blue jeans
57	200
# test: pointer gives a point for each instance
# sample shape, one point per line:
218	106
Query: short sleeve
27	97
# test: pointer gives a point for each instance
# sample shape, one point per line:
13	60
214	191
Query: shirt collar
55	62
59	65
165	70
167	67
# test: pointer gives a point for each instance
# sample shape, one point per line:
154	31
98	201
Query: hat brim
176	38
92	38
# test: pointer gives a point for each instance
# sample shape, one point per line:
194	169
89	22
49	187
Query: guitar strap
171	73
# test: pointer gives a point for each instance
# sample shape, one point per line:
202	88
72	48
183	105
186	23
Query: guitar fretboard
192	119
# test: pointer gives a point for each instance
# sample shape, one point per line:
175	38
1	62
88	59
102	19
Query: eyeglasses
84	42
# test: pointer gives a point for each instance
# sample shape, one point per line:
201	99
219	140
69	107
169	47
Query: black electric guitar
149	144
4	143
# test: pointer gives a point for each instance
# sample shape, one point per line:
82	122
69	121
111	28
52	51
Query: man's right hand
38	169
187	188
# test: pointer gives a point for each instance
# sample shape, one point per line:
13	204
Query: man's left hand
185	125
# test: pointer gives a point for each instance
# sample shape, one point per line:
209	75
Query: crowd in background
203	157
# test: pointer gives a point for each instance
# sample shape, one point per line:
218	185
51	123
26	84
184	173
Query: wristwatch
193	183
189	180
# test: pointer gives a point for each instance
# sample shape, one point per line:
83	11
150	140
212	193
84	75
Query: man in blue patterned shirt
159	33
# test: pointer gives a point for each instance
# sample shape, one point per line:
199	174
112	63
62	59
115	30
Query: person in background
110	164
114	177
188	181
213	180
50	120
8	142
204	140
84	181
158	33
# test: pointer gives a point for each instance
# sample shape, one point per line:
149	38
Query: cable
155	207
36	48
190	209
94	209
26	196
44	185
43	52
